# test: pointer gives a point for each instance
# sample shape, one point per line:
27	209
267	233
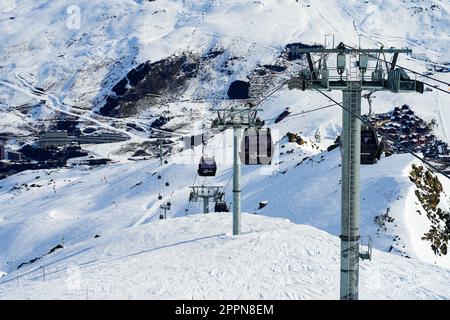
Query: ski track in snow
196	258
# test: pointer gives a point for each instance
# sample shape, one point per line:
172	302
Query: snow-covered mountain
122	65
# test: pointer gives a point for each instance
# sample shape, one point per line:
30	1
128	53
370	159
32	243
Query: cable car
221	206
257	147
398	80
192	197
365	248
371	147
340	65
207	167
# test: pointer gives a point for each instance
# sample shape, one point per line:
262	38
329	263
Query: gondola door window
250	150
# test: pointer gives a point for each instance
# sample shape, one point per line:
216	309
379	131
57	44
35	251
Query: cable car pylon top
342	48
236	117
392	79
205	193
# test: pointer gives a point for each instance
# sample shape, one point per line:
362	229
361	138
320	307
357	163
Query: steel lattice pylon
351	81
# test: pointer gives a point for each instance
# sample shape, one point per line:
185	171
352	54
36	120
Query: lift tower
238	119
351	80
205	193
165	207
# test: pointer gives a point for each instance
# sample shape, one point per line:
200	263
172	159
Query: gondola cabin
221	206
371	148
257	147
207	167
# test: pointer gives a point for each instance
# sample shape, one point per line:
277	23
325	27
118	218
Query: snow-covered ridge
76	61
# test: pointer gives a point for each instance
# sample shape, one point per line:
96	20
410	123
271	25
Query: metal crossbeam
236	117
351	50
341	48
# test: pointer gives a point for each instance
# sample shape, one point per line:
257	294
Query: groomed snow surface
196	258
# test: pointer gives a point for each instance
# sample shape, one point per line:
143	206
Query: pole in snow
236	182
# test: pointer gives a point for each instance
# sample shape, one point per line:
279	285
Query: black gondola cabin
207	167
371	148
221	206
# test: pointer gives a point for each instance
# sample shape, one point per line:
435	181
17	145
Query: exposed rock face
293	137
429	192
152	84
291	54
143	84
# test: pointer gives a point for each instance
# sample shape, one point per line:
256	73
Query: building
106	137
61	138
15	156
57	138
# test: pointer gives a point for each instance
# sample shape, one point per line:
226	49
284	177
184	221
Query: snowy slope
196	258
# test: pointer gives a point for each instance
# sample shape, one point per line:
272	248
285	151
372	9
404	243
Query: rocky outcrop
429	192
144	85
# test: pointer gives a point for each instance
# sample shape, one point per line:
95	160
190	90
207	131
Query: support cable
304	112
